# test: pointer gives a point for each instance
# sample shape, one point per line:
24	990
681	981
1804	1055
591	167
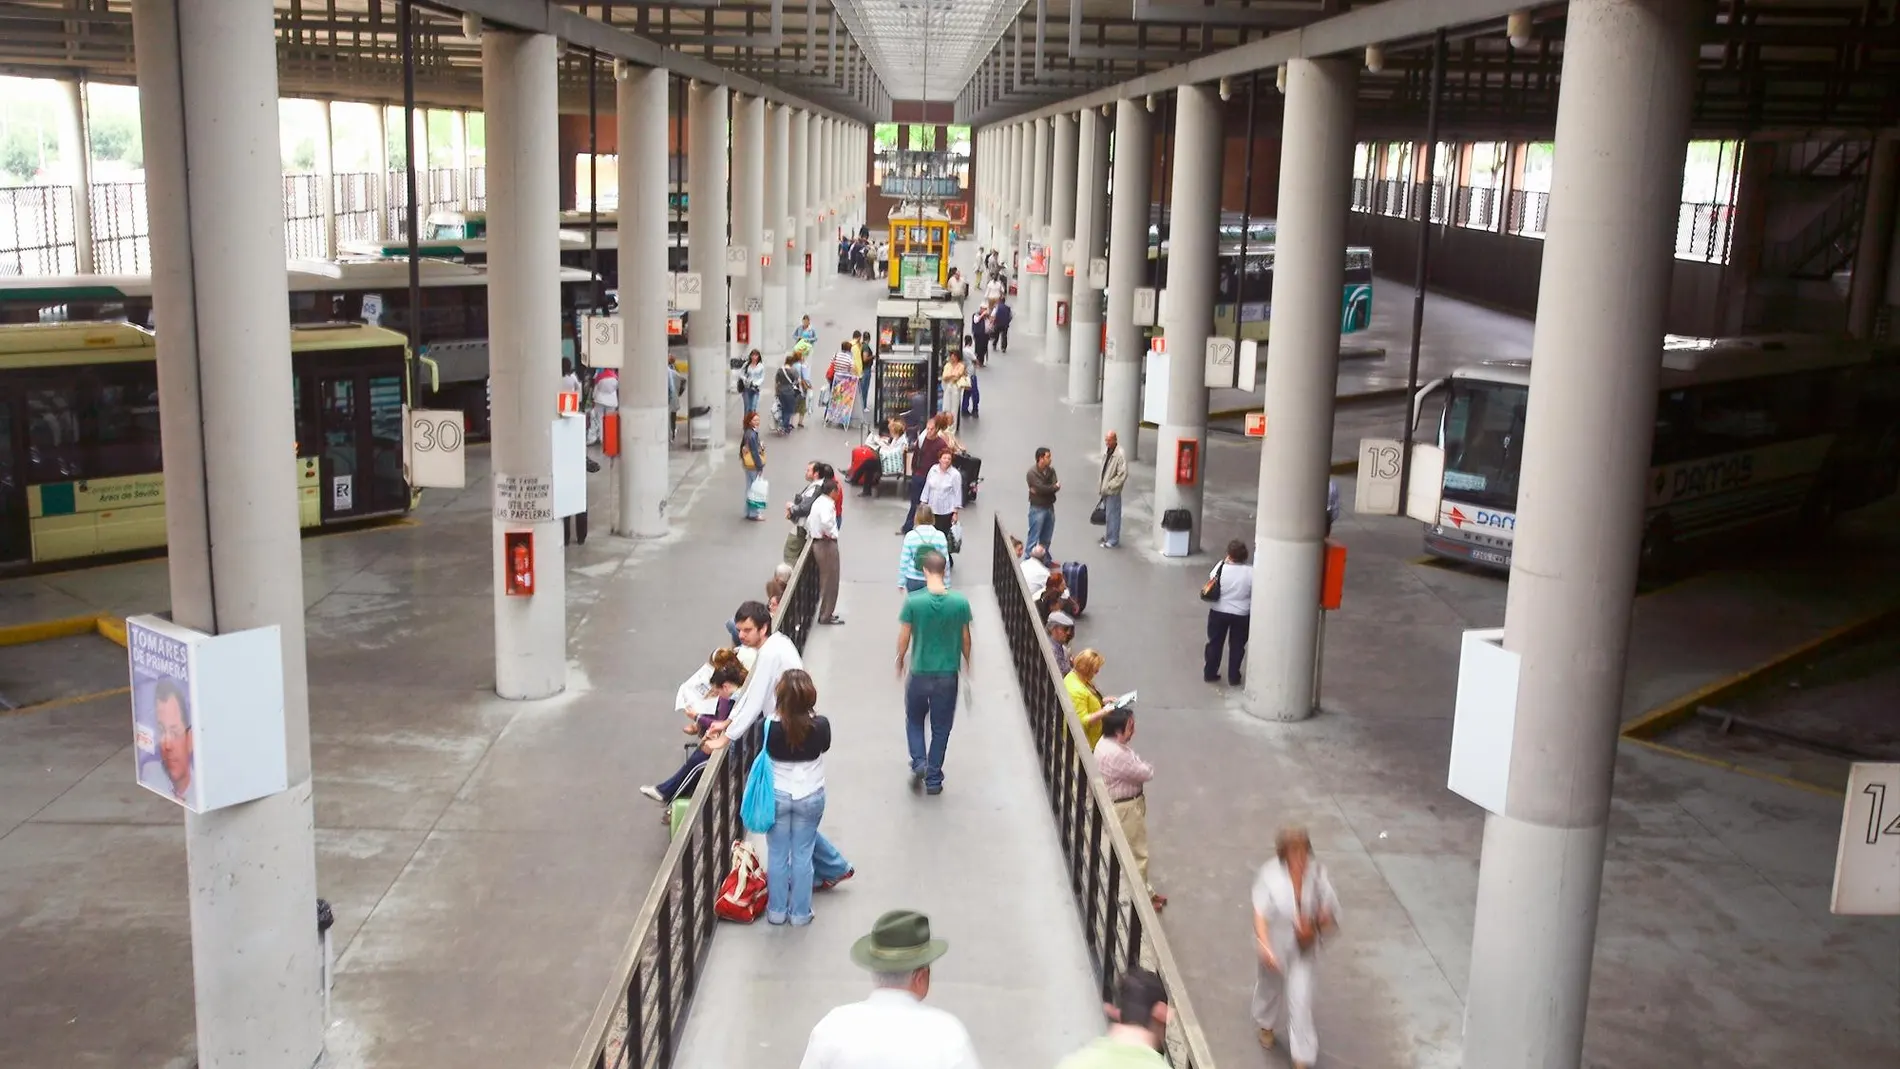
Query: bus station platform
488	859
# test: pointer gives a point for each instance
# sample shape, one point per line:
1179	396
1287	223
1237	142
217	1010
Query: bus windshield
1483	438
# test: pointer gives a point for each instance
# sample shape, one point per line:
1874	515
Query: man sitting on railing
777	655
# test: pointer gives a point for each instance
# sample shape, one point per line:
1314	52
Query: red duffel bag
742	895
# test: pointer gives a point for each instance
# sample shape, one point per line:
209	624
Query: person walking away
1000	316
606	399
956	380
943	493
675	393
776	655
1043	487
1126	776
785	388
930	445
1293	905
1085	697
934	630
1230	619
821	525
1114	478
796	743
921	539
893	1029
752	381
1137	1029
570	382
1061	632
980	335
752	459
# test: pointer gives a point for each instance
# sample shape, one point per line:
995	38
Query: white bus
1749	431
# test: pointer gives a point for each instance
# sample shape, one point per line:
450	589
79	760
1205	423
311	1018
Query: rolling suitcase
972	469
1076	575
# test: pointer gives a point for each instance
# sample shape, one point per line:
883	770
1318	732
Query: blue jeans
787	409
932	696
670	789
912	586
789	849
1112	507
916	497
751	399
1042	530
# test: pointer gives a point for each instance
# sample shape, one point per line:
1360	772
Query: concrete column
1127	267
458	136
524	366
815	212
1012	196
75	150
1301	379
640	477
748	215
1869	285
1194	211
706	252
326	180
800	289
379	192
1622	131
1035	310
235	561
778	153
1091	230
1061	229
828	200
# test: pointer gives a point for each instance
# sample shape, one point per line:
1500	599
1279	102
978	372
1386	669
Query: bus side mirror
1418	400
1425	483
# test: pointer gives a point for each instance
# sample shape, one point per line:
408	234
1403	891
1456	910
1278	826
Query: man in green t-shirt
1137	1029
939	619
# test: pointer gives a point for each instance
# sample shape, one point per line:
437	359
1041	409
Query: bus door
359	421
16	532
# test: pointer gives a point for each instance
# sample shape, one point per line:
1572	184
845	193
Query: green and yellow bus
922	243
81	467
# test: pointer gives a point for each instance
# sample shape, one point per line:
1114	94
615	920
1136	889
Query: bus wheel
1660	558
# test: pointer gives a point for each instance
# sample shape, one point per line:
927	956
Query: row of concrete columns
234	555
1622	130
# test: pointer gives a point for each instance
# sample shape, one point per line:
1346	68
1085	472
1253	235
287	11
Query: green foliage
20	152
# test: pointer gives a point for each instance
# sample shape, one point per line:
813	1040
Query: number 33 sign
435	448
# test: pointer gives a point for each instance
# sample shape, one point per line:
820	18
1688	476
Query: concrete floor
486	858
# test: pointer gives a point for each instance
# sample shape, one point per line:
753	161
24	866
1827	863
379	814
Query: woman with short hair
1293	905
1084	696
1229	618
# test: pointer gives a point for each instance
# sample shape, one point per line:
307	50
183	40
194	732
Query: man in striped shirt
1126	776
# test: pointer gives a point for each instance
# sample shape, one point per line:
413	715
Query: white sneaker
653	793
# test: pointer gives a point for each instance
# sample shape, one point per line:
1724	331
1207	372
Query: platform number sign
1380	465
687	288
738	261
1867	868
436	442
606	336
1221	353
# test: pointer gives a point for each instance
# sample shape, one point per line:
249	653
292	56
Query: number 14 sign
1867	868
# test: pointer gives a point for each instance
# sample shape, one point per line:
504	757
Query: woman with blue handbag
792	769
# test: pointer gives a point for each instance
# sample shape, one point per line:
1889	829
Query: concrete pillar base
1121	379
531	632
1085	364
1169	494
1035	305
643	448
1281	650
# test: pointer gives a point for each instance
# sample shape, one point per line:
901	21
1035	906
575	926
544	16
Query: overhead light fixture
1517	26
1279	78
1375	58
472	26
1104	111
622	70
1226	90
1150	102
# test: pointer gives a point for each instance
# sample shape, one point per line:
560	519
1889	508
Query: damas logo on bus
1706	477
1459	518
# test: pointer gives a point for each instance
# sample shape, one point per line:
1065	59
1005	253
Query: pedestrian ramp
982	859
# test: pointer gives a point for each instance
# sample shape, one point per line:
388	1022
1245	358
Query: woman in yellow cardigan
1084	695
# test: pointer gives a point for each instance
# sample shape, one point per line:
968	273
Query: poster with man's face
162	716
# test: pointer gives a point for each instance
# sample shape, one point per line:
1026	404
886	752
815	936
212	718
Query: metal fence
121	235
303	217
36	231
1702	228
1702	231
1118	921
355	206
639	1020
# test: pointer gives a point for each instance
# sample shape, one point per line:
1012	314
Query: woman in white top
956	379
943	492
1293	905
1227	621
821	524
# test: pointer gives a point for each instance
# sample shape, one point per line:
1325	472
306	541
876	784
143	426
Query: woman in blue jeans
796	742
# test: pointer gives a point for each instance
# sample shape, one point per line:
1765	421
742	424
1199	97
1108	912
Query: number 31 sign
435	448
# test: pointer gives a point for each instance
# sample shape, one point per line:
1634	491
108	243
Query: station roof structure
1766	65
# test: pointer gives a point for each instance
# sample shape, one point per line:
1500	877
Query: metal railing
1703	231
303	217
121	235
638	1022
1118	921
36	231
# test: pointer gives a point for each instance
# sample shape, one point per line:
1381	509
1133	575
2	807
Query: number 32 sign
435	448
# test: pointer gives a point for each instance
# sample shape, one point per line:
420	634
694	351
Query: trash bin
699	426
1177	525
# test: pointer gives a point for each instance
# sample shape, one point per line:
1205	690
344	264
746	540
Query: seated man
1036	568
1061	633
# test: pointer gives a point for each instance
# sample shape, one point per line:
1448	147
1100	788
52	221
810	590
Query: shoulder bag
758	806
1211	590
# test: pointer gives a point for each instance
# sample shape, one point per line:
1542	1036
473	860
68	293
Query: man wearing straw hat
893	1029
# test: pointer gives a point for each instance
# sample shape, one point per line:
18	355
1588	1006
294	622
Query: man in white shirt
821	526
775	655
1036	569
893	1029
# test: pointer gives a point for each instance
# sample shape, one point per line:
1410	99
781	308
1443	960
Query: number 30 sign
435	448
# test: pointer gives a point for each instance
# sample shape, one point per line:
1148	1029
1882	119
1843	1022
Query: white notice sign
1377	492
524	498
373	309
738	261
686	291
1144	306
766	240
435	448
342	493
1068	251
754	305
1249	365
1867	867
605	340
1221	354
917	287
1098	274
